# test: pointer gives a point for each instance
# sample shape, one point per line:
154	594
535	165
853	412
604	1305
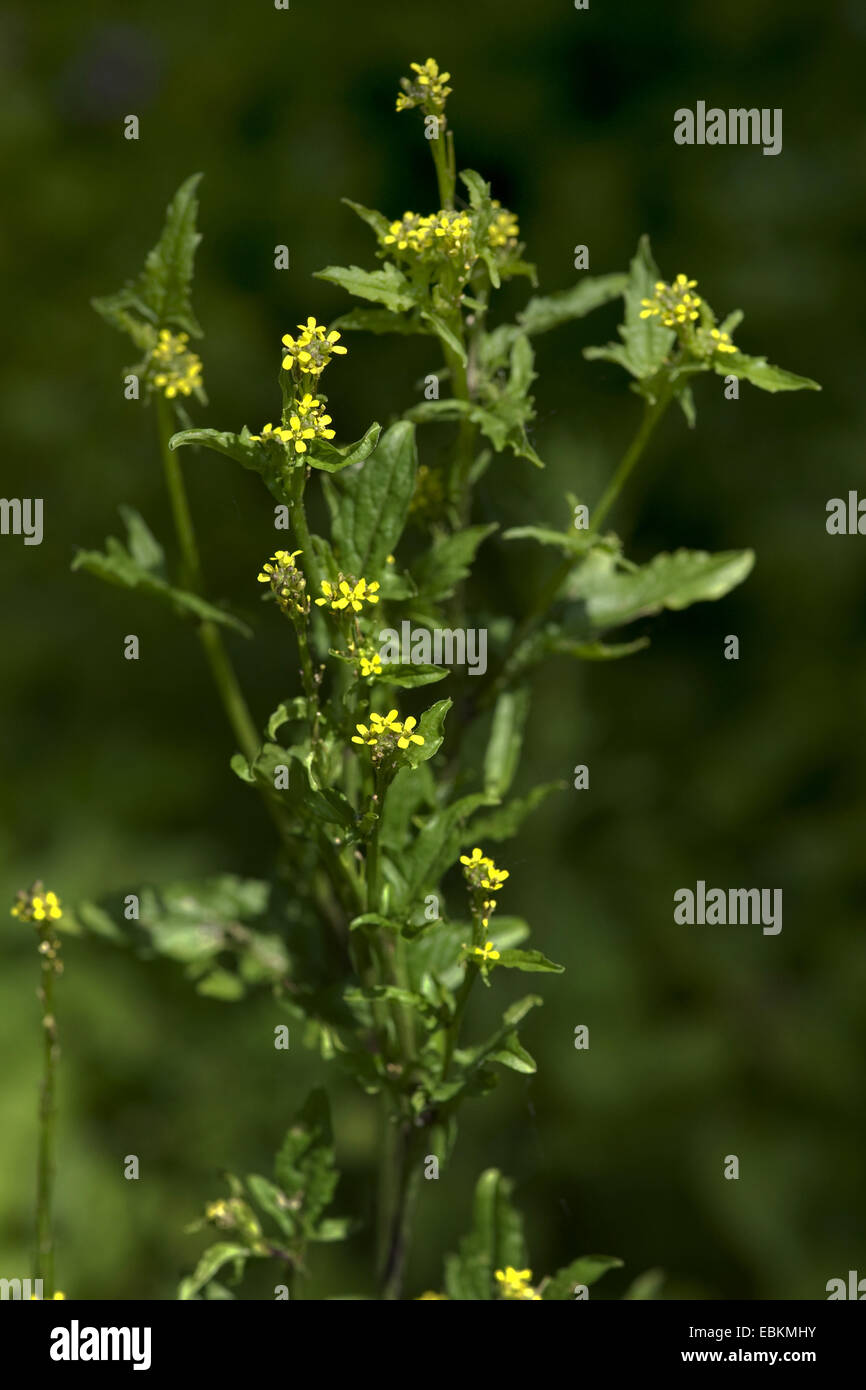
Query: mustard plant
387	910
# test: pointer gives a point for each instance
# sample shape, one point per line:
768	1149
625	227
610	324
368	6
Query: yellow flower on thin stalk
286	580
37	906
425	88
504	229
178	371
313	349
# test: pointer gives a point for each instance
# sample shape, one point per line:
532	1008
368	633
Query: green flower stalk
43	910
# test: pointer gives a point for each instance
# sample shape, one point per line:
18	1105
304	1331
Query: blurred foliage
703	1042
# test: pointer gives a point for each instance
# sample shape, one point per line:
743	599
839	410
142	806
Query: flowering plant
381	913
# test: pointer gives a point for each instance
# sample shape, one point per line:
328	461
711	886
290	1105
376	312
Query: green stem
651	417
221	668
442	150
461	1000
45	1162
401	1177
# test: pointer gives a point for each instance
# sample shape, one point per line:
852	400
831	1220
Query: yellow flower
286	581
37	906
674	304
178	369
34	1297
371	665
312	350
722	341
386	731
426	88
407	735
340	594
487	951
504	228
516	1283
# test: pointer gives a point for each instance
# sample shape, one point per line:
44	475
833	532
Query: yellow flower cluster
481	870
426	88
178	370
722	341
517	1284
341	594
384	731
286	580
504	228
446	232
313	348
483	878
305	422
675	304
37	906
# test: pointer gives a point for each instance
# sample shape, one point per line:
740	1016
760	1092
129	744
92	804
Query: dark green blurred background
704	1042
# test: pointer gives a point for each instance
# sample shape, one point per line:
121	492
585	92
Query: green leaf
382	321
436	845
567	541
506	740
669	581
210	1263
506	820
386	286
431	728
304	1166
494	1242
221	984
553	642
139	565
408	676
269	459
369	508
161	293
448	561
549	311
586	1271
528	960
646	1286
377	220
325	457
512	1054
273	1201
647	342
760	373
445	333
